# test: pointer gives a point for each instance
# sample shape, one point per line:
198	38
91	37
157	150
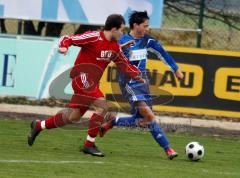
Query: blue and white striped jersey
138	53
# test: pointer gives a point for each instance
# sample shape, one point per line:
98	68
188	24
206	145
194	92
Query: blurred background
211	24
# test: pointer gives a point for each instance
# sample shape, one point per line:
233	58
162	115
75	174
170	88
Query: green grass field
128	154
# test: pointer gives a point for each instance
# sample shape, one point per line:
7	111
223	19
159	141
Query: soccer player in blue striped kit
135	46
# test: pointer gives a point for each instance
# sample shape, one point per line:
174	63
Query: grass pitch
128	154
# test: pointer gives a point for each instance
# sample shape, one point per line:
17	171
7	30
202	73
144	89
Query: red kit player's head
114	26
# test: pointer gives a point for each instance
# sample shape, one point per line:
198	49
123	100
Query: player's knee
102	110
145	122
109	116
74	115
147	113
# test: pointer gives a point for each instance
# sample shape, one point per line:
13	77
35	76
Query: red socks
55	121
52	122
58	121
94	124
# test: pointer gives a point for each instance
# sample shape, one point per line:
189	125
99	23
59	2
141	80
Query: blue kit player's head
139	22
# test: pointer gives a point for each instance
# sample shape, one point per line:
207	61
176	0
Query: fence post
200	23
19	30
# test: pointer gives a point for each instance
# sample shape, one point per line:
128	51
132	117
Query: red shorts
83	97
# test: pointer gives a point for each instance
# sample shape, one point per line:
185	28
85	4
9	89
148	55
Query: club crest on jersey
105	55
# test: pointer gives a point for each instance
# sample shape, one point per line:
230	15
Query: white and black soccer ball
194	151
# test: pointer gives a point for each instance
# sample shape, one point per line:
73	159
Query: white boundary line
68	162
52	162
102	162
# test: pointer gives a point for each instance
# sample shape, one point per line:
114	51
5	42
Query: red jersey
94	56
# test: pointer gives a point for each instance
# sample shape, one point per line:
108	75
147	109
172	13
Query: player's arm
127	44
125	67
77	40
156	48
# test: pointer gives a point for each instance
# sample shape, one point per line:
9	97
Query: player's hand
128	44
63	50
179	74
140	79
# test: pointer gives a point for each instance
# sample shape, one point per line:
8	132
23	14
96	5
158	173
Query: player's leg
95	122
126	121
69	115
145	112
134	94
149	119
99	103
155	129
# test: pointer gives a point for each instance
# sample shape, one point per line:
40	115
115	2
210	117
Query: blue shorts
136	92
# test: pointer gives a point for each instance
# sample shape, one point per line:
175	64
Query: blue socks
130	121
153	126
158	134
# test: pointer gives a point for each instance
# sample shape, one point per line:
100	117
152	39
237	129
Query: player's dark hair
114	21
137	17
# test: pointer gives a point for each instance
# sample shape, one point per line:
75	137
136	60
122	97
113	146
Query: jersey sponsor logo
105	55
227	83
137	55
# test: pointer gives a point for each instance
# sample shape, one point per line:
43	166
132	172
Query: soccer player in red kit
98	49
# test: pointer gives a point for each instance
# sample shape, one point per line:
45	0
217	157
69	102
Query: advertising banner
79	11
211	85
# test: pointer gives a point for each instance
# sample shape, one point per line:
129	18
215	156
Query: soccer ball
194	151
